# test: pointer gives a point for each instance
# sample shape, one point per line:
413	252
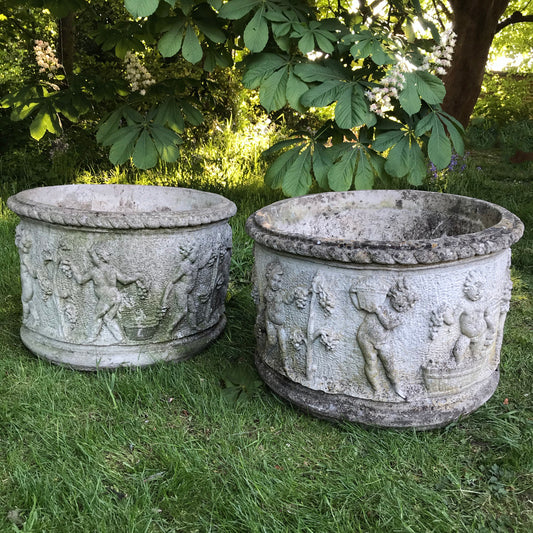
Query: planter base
93	357
430	414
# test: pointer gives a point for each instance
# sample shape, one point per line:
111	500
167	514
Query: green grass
164	449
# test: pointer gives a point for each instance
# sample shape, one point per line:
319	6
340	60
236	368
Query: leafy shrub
384	86
502	115
505	97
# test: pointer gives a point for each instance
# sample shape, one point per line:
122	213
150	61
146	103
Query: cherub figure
275	309
373	335
476	321
212	281
221	282
181	285
27	275
105	277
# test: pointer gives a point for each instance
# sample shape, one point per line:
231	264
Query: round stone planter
116	275
382	307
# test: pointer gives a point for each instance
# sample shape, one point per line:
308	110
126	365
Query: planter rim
174	210
506	229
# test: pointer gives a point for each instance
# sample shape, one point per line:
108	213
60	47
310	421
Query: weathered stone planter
118	275
382	307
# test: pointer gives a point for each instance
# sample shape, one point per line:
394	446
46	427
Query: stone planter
117	275
382	307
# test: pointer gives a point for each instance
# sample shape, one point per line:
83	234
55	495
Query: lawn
204	446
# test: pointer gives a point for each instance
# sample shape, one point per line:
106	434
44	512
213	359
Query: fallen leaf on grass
153	477
14	517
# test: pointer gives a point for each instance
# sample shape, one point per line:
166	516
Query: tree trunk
66	42
475	23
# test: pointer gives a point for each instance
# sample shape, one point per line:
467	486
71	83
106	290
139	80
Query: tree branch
515	18
439	7
366	12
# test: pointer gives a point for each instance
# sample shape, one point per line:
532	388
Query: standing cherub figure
374	333
105	277
275	309
476	322
27	275
181	286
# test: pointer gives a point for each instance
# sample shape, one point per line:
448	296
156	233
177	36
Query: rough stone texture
117	275
382	307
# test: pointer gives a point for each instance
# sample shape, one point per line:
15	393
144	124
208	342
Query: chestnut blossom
391	85
437	62
137	74
440	58
46	58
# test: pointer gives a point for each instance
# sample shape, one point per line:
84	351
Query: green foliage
439	145
421	85
296	56
20	23
122	37
279	37
505	97
515	41
46	104
182	33
141	8
502	116
368	44
241	383
147	138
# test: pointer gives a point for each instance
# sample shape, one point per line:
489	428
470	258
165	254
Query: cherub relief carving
27	276
181	286
275	309
478	326
383	314
105	278
477	323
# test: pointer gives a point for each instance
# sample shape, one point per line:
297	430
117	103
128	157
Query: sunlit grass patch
229	159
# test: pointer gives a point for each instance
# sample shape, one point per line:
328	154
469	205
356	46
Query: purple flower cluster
457	164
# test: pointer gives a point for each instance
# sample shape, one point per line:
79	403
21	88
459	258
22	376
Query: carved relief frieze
62	287
471	337
385	336
476	324
212	283
383	309
83	292
105	278
321	305
440	317
118	275
275	300
312	304
175	302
